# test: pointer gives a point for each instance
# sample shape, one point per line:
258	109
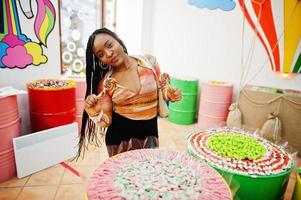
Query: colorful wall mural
16	49
280	36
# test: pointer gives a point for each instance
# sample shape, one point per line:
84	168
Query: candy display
156	174
51	103
249	163
239	152
51	84
236	146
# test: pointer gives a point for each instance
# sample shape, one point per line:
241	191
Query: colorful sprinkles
51	84
156	174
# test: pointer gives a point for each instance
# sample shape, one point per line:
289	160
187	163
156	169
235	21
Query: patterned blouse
141	105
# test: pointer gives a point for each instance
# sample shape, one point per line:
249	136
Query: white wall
129	21
201	43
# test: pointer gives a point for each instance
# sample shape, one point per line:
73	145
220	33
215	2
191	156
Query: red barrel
7	165
9	129
51	105
216	97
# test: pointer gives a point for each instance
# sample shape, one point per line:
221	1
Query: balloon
277	26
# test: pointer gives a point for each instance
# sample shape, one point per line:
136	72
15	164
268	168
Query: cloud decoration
3	47
225	5
16	57
36	51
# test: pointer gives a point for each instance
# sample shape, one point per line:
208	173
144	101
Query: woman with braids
122	96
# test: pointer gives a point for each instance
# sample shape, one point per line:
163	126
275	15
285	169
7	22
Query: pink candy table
156	174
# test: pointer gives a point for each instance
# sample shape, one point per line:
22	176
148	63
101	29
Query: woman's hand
99	108
92	105
174	94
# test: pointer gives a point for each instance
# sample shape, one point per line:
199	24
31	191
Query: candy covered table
258	168
156	174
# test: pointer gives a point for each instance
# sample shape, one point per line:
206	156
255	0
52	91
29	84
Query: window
78	20
109	18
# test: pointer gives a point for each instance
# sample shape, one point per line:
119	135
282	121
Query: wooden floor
58	183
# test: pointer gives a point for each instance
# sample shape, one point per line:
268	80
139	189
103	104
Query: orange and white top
141	105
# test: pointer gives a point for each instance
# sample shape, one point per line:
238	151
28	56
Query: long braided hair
95	72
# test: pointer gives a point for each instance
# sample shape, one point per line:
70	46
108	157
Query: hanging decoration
225	5
277	26
14	43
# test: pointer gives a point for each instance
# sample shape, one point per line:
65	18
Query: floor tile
91	158
71	192
85	172
38	193
9	193
15	182
49	176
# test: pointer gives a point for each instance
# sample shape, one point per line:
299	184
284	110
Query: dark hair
95	71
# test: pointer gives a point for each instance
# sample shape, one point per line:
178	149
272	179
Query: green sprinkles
236	146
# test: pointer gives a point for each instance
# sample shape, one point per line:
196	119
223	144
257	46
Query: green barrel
184	111
271	187
248	187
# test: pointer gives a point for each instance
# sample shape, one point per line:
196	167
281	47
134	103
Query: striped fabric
136	106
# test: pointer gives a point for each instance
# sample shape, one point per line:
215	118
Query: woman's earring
104	66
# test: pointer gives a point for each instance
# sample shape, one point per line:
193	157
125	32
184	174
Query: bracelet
96	119
101	130
100	117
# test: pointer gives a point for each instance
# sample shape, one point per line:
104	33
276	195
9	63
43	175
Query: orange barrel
51	103
216	97
80	98
9	129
